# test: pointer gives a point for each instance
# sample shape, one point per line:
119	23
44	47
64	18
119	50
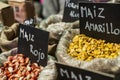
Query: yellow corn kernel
87	48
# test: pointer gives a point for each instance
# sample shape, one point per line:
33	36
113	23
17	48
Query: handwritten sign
71	10
33	43
66	72
100	20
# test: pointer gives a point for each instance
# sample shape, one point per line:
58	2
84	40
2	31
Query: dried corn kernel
87	48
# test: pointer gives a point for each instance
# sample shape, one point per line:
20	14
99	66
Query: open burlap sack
50	20
99	64
57	29
48	73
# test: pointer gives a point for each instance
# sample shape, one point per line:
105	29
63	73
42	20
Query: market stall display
14	65
78	53
98	63
19	67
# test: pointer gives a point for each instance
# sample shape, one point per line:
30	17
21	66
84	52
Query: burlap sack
48	73
57	29
8	37
99	64
4	55
50	20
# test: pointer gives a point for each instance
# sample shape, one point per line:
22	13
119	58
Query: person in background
51	7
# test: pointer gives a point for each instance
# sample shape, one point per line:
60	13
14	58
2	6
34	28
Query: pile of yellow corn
87	48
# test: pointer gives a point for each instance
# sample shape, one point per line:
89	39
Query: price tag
66	72
100	20
33	43
71	10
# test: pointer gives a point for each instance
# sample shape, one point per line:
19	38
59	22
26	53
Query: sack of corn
89	53
56	27
15	66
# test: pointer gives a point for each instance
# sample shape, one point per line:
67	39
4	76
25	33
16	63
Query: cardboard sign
71	10
23	10
100	20
6	14
33	43
66	72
